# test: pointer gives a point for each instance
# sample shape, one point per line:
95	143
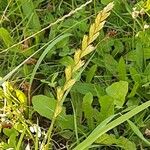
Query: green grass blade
21	139
93	136
100	130
47	50
138	132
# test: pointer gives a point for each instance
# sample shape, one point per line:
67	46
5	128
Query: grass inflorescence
64	87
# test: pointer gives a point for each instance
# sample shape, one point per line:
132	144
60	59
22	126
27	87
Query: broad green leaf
122	69
84	88
138	132
12	141
8	132
104	127
88	109
44	105
118	91
90	74
107	107
6	37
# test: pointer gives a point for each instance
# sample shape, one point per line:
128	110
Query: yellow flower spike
68	73
100	26
84	42
77	56
60	93
92	31
109	7
21	97
93	38
78	65
98	20
69	84
88	50
57	111
104	16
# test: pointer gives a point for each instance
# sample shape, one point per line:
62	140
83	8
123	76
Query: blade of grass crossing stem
137	132
100	130
48	49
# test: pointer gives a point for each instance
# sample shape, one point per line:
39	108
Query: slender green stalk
20	139
48	135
